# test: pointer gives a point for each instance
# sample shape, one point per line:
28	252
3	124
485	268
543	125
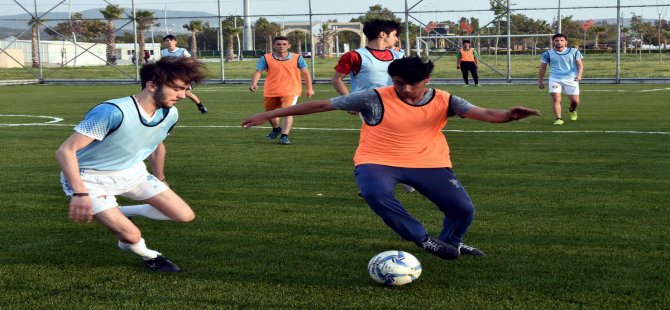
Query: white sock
139	248
145	210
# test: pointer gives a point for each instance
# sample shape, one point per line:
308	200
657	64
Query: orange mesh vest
468	55
283	77
408	136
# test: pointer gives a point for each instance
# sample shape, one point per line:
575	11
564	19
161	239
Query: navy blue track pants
440	185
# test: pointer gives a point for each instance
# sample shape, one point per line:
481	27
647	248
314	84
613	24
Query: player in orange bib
401	141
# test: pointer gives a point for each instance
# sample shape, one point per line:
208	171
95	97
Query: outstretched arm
300	109
498	115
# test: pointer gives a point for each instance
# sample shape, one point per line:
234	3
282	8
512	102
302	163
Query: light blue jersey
262	64
563	65
122	136
374	72
178	52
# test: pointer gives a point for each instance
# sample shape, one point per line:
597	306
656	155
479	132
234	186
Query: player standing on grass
282	84
173	51
467	60
105	156
401	141
565	72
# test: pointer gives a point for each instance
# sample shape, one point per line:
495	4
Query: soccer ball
394	268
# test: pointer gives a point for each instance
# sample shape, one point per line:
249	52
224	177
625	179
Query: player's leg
571	89
377	185
464	71
555	90
273	103
287	121
475	76
196	100
442	187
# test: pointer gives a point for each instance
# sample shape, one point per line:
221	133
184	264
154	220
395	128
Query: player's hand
81	209
254	120
540	84
253	88
457	67
578	78
517	113
309	93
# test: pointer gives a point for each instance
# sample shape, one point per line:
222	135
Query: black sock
278	129
284	135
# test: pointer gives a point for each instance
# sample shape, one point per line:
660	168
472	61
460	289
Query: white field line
55	122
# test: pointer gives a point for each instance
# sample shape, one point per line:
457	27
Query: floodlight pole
558	28
407	47
220	34
509	46
619	23
39	54
311	39
137	56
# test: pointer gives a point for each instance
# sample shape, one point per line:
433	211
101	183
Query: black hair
169	69
283	38
411	69
169	36
559	35
373	27
466	41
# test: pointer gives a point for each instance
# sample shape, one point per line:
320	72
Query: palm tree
228	30
268	30
598	31
194	27
144	19
111	13
35	26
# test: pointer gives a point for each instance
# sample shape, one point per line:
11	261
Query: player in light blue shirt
105	156
565	72
172	50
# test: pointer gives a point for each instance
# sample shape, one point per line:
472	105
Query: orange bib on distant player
283	77
468	55
408	136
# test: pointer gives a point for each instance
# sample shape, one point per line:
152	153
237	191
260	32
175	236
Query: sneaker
202	109
466	85
558	122
477	85
573	115
464	249
161	264
272	135
407	188
284	140
439	248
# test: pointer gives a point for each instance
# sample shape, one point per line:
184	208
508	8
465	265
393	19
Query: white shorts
568	86
135	183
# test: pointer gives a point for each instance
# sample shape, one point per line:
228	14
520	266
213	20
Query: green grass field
572	217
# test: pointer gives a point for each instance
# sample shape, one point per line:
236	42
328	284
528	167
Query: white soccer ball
394	268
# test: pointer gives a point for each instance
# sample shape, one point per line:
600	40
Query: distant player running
105	156
173	51
565	72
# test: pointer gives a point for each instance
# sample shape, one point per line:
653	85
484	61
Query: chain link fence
92	41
